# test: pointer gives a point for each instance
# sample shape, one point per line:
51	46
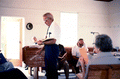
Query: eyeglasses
46	19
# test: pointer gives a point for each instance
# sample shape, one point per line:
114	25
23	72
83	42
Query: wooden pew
39	61
29	52
104	71
36	62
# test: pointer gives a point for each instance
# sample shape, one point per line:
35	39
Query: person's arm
40	42
74	57
50	41
86	48
74	53
38	53
63	55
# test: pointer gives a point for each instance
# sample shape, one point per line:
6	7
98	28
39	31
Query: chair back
104	71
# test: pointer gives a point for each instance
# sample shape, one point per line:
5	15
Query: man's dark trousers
51	58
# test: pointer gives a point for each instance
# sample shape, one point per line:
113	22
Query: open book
62	56
83	52
47	39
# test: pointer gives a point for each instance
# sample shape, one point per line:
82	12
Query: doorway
11	39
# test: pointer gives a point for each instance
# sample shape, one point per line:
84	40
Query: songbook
2	59
83	52
48	39
62	56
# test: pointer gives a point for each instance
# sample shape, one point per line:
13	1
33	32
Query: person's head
48	18
34	39
80	42
103	43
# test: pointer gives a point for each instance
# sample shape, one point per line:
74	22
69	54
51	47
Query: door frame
17	62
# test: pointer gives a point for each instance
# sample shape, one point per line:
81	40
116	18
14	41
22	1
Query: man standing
76	54
53	30
51	50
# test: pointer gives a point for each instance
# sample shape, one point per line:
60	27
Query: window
68	23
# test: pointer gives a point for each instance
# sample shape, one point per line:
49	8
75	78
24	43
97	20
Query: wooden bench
104	72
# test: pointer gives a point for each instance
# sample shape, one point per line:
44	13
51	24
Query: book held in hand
83	52
47	39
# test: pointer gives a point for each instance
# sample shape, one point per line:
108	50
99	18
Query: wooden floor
42	74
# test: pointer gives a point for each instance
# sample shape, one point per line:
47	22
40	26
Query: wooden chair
104	71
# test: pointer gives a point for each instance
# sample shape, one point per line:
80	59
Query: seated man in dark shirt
62	62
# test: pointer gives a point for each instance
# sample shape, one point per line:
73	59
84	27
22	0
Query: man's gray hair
48	15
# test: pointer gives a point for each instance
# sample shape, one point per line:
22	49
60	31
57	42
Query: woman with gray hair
103	47
103	43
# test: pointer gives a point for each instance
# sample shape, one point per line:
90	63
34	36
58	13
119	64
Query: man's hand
45	37
40	42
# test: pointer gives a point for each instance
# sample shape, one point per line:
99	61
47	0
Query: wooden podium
38	61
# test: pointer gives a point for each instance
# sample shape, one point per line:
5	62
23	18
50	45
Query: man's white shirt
75	50
54	31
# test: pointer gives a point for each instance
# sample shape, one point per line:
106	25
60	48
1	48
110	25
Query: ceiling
104	0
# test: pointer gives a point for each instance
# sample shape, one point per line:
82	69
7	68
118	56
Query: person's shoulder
2	59
55	24
75	46
84	45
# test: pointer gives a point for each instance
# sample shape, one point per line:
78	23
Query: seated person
76	54
35	40
62	62
4	64
13	73
103	48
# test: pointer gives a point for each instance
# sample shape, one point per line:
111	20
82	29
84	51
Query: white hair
48	15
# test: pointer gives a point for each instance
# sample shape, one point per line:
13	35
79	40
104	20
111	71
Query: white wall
92	16
114	14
